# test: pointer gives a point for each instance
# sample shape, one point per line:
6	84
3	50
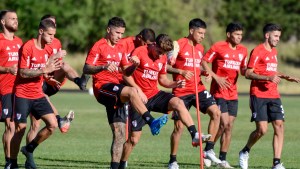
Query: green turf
87	144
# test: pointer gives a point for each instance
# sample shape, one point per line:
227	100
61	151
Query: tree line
81	23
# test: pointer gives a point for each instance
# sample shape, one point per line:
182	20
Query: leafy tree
254	14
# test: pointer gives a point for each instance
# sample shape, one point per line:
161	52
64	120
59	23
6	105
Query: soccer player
9	56
103	61
228	58
52	86
182	67
265	102
29	96
151	70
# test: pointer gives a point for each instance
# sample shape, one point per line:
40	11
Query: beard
11	28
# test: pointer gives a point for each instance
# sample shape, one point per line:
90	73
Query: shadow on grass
59	163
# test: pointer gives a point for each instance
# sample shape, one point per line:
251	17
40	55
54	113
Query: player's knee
51	127
134	141
178	127
132	92
178	104
35	126
10	127
214	112
262	131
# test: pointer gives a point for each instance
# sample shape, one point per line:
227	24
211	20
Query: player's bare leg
42	135
225	132
131	94
33	130
175	139
118	130
72	75
128	147
20	129
214	113
278	138
7	136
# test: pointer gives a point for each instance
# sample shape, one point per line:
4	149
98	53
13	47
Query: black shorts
49	90
266	109
205	101
230	106
37	107
157	103
109	96
6	107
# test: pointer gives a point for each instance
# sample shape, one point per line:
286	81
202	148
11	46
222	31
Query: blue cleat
158	123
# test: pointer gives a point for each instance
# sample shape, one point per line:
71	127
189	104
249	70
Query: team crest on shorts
5	111
19	116
116	88
254	115
134	123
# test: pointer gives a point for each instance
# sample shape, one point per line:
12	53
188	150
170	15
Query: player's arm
128	70
167	83
185	73
288	77
52	65
12	69
253	76
222	81
91	69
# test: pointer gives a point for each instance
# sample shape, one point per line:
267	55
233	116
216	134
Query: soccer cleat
64	123
29	163
210	154
173	165
158	123
83	81
243	161
9	165
207	162
224	164
204	138
195	140
278	166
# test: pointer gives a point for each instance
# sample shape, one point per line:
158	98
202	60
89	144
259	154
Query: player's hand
135	60
52	65
111	67
208	77
60	54
13	69
180	83
275	79
142	96
291	79
53	82
223	82
187	74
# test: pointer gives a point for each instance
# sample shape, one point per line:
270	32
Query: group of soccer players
143	61
127	71
30	74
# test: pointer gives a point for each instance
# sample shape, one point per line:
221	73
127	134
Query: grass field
87	144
